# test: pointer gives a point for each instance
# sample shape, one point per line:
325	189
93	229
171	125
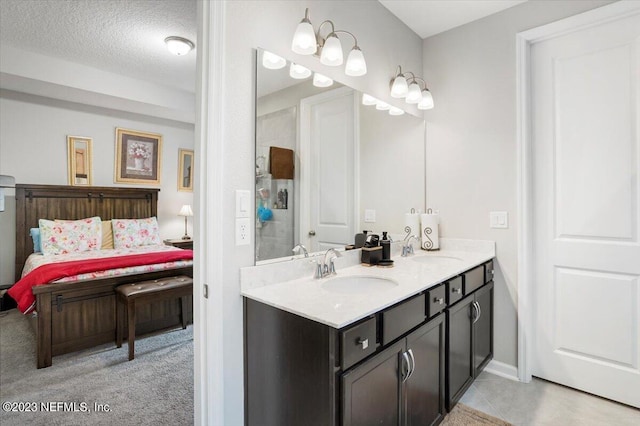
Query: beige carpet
461	415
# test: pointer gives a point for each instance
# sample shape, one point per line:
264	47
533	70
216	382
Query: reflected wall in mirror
323	160
79	161
185	170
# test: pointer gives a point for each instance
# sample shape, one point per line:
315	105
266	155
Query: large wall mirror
327	165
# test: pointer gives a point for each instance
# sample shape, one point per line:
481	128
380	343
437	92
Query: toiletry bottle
386	247
286	199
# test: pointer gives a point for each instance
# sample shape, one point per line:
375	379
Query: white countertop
306	296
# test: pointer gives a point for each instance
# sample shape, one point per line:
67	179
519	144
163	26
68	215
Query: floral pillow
70	236
129	233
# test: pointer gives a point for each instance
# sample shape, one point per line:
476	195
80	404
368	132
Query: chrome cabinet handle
363	342
413	363
405	359
479	310
438	300
456	290
474	312
476	308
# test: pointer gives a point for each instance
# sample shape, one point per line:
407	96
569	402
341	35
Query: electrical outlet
243	231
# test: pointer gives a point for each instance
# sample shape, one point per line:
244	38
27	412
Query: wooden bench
130	295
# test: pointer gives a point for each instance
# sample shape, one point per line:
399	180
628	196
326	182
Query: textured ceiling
124	37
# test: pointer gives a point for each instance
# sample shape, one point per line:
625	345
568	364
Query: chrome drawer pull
438	300
456	290
363	342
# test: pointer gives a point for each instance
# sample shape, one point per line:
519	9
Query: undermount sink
358	284
435	259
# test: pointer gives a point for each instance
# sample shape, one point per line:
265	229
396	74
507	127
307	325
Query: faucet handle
319	270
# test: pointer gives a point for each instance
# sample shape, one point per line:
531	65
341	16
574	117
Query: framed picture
138	157
185	170
79	161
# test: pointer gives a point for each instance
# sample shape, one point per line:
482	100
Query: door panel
483	329
586	219
459	366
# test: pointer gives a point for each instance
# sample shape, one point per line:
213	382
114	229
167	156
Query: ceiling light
395	111
382	106
178	45
368	100
304	39
320	80
399	87
272	61
414	95
427	100
298	71
306	42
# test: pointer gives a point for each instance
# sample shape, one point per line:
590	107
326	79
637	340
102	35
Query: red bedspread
22	292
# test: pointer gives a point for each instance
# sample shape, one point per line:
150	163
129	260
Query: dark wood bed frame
82	314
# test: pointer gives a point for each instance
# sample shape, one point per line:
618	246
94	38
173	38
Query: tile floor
544	403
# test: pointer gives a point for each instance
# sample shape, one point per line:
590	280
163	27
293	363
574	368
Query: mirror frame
183	155
85	158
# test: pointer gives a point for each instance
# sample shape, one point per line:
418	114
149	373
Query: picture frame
138	157
79	160
185	170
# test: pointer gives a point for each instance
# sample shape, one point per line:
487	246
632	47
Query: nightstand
183	244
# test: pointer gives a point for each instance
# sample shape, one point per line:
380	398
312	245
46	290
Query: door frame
304	146
524	41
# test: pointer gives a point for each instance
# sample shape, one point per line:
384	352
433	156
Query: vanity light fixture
406	85
368	100
272	61
298	71
329	48
427	100
414	94
399	86
178	45
320	80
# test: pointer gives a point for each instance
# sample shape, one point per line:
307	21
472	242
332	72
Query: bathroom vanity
370	345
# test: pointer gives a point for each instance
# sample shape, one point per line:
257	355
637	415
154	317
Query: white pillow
129	233
70	236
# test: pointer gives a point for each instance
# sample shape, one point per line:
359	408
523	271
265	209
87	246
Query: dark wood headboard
35	202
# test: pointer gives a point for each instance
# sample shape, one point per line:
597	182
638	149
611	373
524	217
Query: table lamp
186	212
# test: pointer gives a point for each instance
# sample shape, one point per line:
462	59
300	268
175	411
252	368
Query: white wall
251	24
471	139
33	149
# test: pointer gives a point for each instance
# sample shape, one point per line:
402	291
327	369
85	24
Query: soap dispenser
386	251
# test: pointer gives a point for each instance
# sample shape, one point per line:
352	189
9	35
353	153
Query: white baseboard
503	370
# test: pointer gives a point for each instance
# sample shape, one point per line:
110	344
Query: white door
586	159
328	146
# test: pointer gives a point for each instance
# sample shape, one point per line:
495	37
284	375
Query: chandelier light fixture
306	41
406	85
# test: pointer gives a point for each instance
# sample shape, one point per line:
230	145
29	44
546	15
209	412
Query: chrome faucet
407	248
299	247
324	269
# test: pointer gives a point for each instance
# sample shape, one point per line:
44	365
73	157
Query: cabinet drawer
488	271
358	342
436	300
454	290
473	279
402	318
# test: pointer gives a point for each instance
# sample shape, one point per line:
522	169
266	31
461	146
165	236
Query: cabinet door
483	329
424	390
459	365
371	391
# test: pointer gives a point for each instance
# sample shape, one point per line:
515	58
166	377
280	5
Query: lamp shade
304	39
427	100
186	210
320	80
382	106
356	65
298	71
395	111
272	61
368	100
332	51
179	46
414	95
399	88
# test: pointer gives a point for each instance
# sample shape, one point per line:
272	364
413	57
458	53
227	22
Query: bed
80	314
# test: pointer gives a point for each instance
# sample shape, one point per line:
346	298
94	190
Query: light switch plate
499	220
369	215
243	203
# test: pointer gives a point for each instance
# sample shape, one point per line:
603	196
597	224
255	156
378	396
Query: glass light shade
186	211
368	100
304	39
395	111
298	71
332	51
320	80
427	100
382	106
414	95
356	65
399	88
179	46
272	61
